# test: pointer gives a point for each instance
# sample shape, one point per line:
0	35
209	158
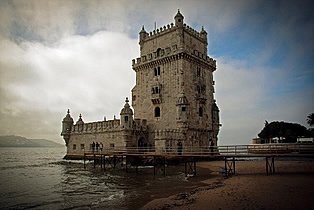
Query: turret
178	19
182	109
126	116
203	34
215	113
80	123
143	35
67	124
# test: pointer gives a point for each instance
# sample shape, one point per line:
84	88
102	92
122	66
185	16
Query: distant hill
19	141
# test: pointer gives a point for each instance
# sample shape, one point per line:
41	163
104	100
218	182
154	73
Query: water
38	178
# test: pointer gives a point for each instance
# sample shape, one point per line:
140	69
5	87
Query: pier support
84	160
190	166
270	166
159	165
229	166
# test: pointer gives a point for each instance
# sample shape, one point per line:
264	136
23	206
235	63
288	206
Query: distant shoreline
1	146
20	141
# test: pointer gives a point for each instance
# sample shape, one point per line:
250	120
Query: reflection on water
39	178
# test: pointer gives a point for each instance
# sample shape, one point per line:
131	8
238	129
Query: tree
284	131
310	119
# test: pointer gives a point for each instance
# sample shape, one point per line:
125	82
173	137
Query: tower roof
182	100
215	107
68	117
80	120
126	109
179	15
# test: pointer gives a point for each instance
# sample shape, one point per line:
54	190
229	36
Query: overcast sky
56	55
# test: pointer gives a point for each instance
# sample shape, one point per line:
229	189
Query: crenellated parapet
169	54
94	127
109	125
170	28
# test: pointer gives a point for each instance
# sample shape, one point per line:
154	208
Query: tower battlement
171	51
171	27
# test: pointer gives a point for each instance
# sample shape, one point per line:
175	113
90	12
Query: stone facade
173	99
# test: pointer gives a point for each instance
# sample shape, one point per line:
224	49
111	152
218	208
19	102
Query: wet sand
290	188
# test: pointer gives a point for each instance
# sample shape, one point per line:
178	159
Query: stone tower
174	88
67	124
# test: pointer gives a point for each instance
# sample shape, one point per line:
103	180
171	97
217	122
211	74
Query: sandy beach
291	187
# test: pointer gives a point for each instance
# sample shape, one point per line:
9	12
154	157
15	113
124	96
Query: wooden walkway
134	157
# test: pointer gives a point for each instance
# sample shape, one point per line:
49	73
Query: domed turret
126	116
182	108
80	123
80	120
203	33
67	124
178	19
143	35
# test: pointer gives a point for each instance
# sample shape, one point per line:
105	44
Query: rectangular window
82	146
183	109
157	71
126	118
74	146
111	145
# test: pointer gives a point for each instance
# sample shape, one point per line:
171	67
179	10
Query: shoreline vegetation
19	141
291	187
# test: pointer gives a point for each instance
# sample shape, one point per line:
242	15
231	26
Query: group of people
97	147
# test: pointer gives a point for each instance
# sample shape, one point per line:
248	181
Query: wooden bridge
158	157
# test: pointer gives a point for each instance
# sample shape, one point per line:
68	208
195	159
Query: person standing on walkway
101	146
180	148
93	146
211	145
97	146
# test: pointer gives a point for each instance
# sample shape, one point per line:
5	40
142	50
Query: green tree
310	119
284	131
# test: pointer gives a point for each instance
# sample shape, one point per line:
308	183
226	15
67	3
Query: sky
56	55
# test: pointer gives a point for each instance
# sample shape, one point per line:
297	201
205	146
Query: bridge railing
215	150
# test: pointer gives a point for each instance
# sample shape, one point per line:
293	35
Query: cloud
243	96
89	74
56	55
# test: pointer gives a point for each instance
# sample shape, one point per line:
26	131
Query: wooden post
100	161
226	172
164	166
194	166
104	162
154	165
233	165
114	162
84	160
126	164
94	161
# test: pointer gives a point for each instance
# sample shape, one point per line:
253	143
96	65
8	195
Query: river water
39	178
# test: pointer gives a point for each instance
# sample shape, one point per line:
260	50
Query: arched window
126	118
158	51
200	111
157	112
